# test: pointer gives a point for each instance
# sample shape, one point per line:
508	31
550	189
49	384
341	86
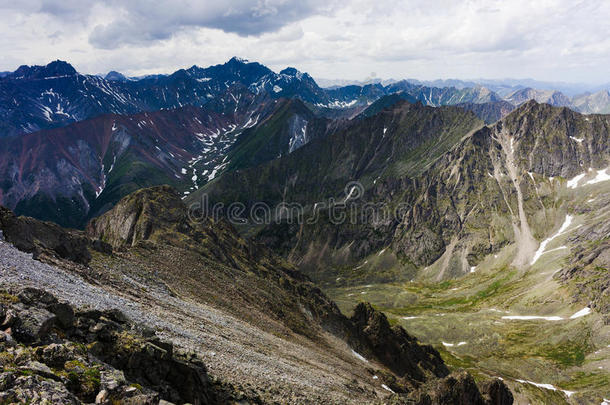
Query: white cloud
547	39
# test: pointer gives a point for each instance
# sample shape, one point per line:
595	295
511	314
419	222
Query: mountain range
68	183
42	97
384	242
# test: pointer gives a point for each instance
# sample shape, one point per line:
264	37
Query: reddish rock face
69	174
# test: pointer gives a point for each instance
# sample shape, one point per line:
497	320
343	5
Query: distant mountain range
500	86
42	97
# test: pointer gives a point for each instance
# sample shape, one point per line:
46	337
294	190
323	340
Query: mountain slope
437	96
500	257
554	98
489	112
70	174
287	128
596	103
403	140
504	246
246	313
367	149
466	205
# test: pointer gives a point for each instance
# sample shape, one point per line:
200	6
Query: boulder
32	324
36	297
55	355
36	390
111	380
495	392
6	380
101	397
37	237
39	368
64	313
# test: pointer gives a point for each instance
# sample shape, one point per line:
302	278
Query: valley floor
549	358
523	325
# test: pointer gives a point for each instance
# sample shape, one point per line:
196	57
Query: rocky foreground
52	354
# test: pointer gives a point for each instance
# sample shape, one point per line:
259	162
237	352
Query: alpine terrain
235	235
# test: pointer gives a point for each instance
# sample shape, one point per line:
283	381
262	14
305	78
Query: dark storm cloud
144	21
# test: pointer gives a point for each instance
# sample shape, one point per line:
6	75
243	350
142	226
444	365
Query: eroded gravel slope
290	371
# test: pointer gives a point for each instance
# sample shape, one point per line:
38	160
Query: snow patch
574	182
299	137
579	140
352	191
532	317
453	344
359	356
547	387
338	104
365	262
566	224
112	165
602	175
581	313
385	387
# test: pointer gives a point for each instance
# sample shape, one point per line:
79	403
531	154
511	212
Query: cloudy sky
557	40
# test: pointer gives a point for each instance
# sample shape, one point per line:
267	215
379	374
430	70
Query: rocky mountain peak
139	216
238	60
56	68
113	75
290	71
